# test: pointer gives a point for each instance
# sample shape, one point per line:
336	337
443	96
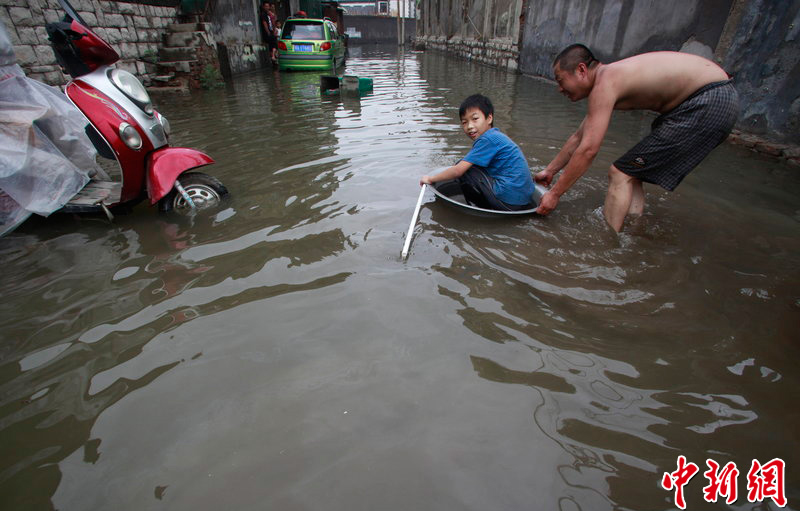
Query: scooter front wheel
204	191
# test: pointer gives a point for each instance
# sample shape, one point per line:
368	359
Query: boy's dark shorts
682	137
478	188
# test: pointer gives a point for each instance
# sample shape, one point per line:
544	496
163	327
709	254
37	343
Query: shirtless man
698	107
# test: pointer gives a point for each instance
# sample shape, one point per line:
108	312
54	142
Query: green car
307	44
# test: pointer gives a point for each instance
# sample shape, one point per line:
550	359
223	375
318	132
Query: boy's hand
425	180
544	177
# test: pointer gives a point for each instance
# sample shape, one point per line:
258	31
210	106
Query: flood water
278	354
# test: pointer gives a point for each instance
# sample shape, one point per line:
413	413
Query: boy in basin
494	174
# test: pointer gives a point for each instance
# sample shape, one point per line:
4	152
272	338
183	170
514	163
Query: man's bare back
657	81
665	82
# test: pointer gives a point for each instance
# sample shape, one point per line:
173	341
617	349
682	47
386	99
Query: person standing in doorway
267	17
275	31
698	106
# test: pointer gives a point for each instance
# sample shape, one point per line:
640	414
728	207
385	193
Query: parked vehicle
134	133
310	44
122	126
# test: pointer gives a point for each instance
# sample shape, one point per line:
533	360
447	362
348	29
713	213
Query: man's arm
594	127
561	159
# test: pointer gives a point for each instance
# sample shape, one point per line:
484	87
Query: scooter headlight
133	88
130	136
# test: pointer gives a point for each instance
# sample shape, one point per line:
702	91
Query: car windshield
303	30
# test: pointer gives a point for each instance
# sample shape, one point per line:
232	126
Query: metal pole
410	232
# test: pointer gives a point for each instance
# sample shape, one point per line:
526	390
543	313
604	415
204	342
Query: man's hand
544	177
548	203
425	180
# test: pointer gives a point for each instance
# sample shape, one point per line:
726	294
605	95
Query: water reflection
622	354
278	354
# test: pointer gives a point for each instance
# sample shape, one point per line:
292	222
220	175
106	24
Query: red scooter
124	126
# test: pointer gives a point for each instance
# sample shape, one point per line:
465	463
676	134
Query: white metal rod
410	232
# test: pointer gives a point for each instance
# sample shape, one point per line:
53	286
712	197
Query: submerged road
278	354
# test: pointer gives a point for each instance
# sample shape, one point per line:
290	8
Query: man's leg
619	198
637	202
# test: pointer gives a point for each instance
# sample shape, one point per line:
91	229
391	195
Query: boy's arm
453	172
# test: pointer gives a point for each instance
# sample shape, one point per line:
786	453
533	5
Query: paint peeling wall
234	24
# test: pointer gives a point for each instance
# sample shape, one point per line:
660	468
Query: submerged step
187	27
179	39
176	54
163	78
169	89
183	66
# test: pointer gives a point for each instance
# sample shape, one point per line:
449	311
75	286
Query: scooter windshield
71	13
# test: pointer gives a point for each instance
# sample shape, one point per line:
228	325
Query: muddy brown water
277	354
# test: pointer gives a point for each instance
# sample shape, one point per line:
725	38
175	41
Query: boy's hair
478	101
572	55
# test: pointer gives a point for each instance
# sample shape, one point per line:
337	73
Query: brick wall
134	30
497	53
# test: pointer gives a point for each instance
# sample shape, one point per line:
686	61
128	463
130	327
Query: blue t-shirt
505	163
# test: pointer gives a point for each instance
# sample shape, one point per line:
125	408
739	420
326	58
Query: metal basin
450	193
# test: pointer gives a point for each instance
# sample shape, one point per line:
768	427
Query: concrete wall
761	48
373	29
134	30
615	29
754	40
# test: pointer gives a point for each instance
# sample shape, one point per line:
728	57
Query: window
383	7
332	31
303	30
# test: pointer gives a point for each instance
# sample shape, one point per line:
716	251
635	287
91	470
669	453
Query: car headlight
133	88
130	136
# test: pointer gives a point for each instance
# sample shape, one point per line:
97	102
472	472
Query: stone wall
133	30
496	53
485	31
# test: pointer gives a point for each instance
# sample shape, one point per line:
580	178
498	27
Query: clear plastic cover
45	155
